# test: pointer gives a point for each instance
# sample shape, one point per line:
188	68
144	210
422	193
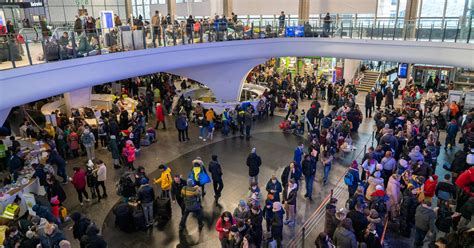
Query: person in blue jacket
298	155
451	131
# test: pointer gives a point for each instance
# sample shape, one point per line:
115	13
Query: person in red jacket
465	179
79	182
429	188
160	116
223	225
463	183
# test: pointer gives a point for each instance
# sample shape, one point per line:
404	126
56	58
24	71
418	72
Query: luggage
123	217
139	219
163	208
51	50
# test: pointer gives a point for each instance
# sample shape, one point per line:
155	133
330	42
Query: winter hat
254	150
242	203
403	163
417	148
143	181
189	182
470	159
35	219
379	187
341	214
30	234
112	136
377	174
76	216
354	165
276	206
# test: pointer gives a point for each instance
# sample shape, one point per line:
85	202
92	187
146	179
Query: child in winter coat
129	153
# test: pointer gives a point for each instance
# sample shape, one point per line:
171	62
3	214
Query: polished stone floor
275	148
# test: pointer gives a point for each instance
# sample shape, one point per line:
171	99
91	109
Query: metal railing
301	236
35	45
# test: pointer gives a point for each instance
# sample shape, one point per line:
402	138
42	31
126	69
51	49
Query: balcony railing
62	42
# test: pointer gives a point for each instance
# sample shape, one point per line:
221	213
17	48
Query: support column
303	11
411	15
228	8
350	68
78	98
171	4
128	9
225	80
4	115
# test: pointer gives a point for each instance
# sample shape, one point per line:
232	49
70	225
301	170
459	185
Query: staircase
370	77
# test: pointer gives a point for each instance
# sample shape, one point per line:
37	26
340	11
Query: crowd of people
397	180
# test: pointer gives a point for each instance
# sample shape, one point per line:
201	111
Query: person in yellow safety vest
165	180
10	212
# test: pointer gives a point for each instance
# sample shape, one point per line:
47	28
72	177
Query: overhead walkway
34	48
222	66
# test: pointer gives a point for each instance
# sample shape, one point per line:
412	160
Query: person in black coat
256	229
80	225
53	188
216	173
407	211
176	187
368	105
359	221
309	170
290	172
92	239
253	162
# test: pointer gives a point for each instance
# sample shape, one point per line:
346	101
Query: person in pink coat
393	192
160	116
129	153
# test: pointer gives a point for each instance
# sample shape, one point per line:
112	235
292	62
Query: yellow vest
9	212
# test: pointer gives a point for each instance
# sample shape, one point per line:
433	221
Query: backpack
327	122
86	138
379	205
349	179
124	182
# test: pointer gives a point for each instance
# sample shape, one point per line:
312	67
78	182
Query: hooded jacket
344	238
253	162
165	179
92	239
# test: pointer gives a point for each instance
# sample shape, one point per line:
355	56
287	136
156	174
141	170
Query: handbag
204	178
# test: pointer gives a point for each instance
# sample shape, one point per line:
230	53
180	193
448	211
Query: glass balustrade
32	46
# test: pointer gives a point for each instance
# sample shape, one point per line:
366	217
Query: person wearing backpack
146	196
126	187
351	179
88	140
80	225
192	200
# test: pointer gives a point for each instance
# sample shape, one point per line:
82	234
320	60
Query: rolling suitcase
123	217
163	208
139	219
